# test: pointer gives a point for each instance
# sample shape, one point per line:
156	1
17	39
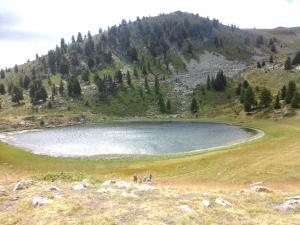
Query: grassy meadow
272	158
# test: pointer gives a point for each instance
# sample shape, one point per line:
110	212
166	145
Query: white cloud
58	18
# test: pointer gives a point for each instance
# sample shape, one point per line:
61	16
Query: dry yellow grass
160	206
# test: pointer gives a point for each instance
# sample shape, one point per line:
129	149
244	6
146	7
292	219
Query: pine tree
64	65
54	90
194	105
161	103
220	81
73	39
208	83
265	97
277	102
258	65
249	99
85	75
135	73
128	78
283	93
16	68
26	82
295	100
242	95
119	77
238	89
37	92
169	108
63	46
2	89
16	94
2	74
245	84
287	64
273	48
61	88
74	89
290	91
146	84
296	59
79	38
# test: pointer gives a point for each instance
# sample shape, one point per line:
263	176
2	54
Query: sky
35	26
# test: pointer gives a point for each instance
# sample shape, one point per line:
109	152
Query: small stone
289	205
122	184
258	188
86	182
128	195
107	190
109	182
222	202
144	188
54	188
59	196
79	187
185	208
23	185
39	201
206	203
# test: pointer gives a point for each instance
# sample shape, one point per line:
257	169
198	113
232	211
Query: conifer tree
208	83
128	79
296	59
16	94
194	105
283	93
295	100
37	92
2	89
277	102
26	82
265	97
287	64
2	74
146	84
238	89
161	103
61	88
249	99
169	107
79	38
74	89
290	91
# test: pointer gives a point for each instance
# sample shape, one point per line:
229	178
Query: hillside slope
146	68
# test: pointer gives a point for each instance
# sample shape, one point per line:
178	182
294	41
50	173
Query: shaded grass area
275	157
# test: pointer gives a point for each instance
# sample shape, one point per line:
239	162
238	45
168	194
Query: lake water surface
152	138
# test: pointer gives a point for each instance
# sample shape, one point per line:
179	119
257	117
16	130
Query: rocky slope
123	202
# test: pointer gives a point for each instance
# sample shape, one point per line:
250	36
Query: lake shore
8	137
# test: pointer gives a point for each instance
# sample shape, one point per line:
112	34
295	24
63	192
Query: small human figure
135	178
150	177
